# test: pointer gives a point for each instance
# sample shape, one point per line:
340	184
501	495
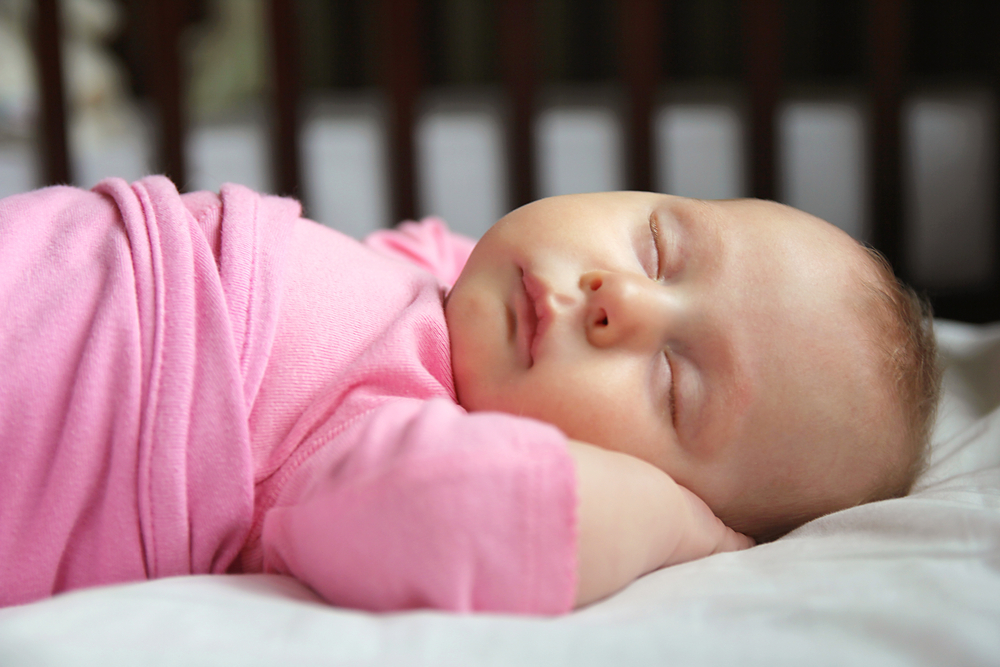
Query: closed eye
671	396
670	256
654	230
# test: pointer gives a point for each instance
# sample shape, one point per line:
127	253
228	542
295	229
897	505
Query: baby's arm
633	518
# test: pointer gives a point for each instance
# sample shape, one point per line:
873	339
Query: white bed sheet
905	582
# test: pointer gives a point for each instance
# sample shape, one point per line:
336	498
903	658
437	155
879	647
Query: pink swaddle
131	354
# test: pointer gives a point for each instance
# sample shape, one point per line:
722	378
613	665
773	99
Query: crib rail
644	26
54	153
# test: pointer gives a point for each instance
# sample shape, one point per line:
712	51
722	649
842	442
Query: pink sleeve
432	507
428	244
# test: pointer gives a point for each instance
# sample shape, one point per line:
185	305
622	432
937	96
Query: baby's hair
903	351
902	327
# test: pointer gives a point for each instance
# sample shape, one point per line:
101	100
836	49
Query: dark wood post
163	69
285	118
763	47
404	68
52	126
994	288
641	25
519	53
887	67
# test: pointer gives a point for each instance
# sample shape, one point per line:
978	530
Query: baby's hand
706	534
633	518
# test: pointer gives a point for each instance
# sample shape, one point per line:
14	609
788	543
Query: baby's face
717	340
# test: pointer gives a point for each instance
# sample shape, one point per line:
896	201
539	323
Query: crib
643	82
909	581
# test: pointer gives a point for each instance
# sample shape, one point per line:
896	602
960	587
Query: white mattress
903	582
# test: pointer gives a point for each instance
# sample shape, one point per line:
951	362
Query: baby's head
757	354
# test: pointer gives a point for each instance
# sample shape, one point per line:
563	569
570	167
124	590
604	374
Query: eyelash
654	229
671	397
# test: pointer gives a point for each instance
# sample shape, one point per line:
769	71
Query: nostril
595	283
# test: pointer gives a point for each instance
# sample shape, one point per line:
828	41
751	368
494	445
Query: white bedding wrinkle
913	581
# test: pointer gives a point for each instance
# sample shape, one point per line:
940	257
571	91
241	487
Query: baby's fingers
706	534
733	541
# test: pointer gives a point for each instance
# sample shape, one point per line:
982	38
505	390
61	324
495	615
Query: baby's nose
624	309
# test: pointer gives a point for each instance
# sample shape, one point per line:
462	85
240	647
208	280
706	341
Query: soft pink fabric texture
428	244
130	361
203	383
374	486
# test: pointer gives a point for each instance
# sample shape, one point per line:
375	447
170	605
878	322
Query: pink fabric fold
133	341
428	244
199	382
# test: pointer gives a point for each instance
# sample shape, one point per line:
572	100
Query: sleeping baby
606	384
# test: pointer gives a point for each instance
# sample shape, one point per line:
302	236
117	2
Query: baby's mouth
539	316
527	321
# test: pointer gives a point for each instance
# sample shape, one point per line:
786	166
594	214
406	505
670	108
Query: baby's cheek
468	382
620	422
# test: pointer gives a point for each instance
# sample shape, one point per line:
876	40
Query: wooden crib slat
887	67
404	69
52	122
163	25
763	46
285	125
994	288
641	25
519	53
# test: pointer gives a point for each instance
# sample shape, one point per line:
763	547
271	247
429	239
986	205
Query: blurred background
350	59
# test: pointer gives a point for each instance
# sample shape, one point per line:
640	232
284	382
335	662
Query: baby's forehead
805	310
780	232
